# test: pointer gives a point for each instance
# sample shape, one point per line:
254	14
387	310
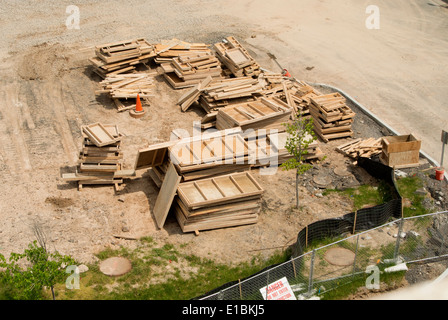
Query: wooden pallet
224	201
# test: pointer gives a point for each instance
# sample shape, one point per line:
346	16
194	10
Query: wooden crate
401	151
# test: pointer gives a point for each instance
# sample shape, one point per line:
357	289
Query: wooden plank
166	195
99	135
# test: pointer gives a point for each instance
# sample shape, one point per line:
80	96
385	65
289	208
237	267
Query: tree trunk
297	189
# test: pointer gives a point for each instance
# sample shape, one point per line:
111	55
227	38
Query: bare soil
48	93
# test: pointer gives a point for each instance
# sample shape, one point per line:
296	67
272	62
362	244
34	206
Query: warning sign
278	290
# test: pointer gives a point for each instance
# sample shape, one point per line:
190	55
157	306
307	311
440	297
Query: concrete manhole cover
340	257
322	180
341	172
115	266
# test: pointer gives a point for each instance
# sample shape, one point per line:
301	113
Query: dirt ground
48	93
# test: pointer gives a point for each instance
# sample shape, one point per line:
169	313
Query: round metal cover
322	180
115	266
340	256
342	172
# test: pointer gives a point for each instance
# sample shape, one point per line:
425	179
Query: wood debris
100	163
224	201
267	113
188	70
236	58
366	148
167	50
332	117
124	86
121	57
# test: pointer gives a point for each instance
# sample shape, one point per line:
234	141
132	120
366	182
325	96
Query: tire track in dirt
15	116
53	91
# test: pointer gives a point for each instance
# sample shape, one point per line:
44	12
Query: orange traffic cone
286	73
138	106
138	112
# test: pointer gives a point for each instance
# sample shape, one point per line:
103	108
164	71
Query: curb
377	120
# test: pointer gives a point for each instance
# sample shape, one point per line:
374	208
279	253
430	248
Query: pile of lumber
124	86
220	202
212	94
121	57
366	148
221	93
332	117
167	50
100	158
197	157
188	70
267	148
236	58
265	113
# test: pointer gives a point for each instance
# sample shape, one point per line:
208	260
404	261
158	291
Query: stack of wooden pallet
265	113
188	70
366	148
121	57
124	86
100	159
332	117
221	93
236	58
197	157
267	148
220	202
167	50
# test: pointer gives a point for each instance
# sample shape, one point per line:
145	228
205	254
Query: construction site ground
48	93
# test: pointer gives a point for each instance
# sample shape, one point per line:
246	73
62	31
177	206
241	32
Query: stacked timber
167	50
366	148
332	117
121	57
100	158
265	113
188	70
221	93
267	148
219	202
124	86
197	157
236	58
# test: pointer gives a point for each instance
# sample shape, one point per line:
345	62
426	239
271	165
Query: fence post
310	280
397	244
356	255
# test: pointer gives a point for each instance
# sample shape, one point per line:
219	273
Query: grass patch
365	195
407	187
162	272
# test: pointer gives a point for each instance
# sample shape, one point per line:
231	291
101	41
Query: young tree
300	136
44	271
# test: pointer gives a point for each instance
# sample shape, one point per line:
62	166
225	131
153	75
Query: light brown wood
166	196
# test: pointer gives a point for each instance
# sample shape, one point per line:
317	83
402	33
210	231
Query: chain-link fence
320	270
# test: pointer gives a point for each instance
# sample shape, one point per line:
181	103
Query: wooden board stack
188	70
124	86
100	159
366	148
332	117
236	58
198	157
220	202
121	57
266	113
169	49
221	93
267	147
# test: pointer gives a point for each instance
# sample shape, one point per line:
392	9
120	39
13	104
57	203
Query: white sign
278	290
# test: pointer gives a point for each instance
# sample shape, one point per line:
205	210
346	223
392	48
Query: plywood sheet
166	195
